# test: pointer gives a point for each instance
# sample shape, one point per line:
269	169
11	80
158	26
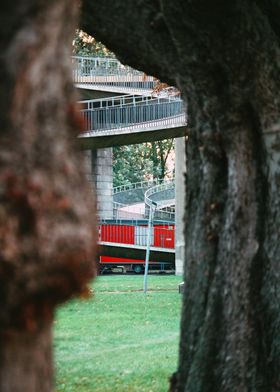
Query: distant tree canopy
85	45
139	162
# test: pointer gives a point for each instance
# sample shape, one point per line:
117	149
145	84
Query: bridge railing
105	71
137	185
120	100
159	188
128	199
165	112
91	104
163	211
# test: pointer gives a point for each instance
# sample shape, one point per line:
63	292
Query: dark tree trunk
224	56
46	229
26	362
164	149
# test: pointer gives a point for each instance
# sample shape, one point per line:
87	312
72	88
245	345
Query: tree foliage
140	162
86	45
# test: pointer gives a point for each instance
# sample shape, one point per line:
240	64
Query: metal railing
104	71
163	210
132	112
165	215
100	103
137	185
164	186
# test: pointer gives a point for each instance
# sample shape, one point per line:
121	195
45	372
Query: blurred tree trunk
225	59
46	231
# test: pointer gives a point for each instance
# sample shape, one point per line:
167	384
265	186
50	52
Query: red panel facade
164	236
122	234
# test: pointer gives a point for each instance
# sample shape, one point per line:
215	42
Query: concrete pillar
99	171
180	171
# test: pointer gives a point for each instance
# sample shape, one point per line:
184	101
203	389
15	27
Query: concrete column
99	171
180	171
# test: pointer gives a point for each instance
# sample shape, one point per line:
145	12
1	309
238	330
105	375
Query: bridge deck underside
114	89
126	136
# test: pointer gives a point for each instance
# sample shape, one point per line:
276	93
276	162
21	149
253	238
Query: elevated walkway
134	193
127	119
138	116
128	200
115	88
108	74
133	200
163	196
131	119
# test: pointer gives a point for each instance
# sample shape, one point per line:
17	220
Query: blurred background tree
145	161
85	45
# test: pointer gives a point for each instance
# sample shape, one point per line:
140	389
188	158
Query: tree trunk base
26	362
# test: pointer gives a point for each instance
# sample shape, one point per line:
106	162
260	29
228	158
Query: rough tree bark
46	229
224	57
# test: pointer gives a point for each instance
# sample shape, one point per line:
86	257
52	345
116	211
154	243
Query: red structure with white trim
163	236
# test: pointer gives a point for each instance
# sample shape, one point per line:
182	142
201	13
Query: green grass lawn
120	340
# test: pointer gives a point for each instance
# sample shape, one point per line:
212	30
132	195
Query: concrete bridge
135	113
109	75
134	200
131	119
144	116
163	195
